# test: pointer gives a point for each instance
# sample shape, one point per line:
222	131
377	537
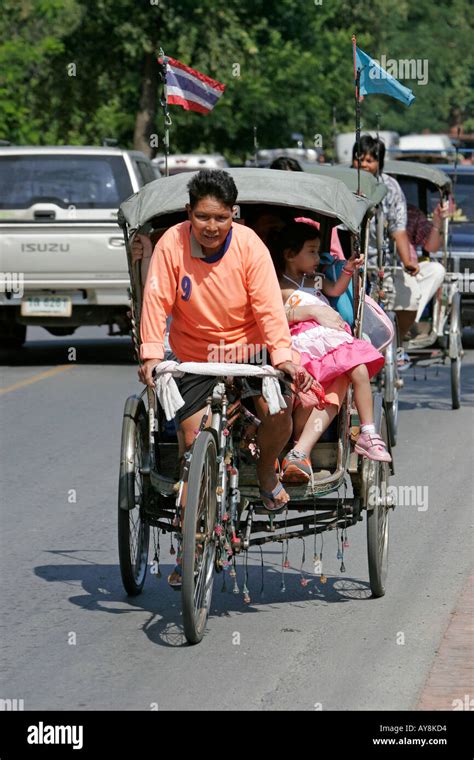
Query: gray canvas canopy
372	190
317	194
415	170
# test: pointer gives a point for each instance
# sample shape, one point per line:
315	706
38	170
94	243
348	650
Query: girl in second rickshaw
326	353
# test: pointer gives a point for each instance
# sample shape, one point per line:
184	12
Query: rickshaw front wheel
134	490
392	413
198	547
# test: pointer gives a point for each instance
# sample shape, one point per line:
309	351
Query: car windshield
66	180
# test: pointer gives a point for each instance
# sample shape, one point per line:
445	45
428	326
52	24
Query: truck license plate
46	306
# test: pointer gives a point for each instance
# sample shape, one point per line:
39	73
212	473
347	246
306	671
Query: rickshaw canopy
435	178
372	190
321	195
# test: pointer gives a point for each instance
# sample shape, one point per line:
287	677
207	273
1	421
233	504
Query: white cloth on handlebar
171	399
166	389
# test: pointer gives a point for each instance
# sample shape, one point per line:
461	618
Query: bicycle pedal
236	545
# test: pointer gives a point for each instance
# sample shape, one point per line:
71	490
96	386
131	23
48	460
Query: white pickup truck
62	254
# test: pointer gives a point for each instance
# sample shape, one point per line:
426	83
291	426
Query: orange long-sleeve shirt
235	300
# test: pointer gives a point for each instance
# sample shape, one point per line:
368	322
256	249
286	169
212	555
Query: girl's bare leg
317	422
301	416
359	377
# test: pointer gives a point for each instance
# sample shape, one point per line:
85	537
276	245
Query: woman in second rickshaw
326	353
217	281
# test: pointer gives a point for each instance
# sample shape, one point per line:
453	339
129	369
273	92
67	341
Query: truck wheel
12	335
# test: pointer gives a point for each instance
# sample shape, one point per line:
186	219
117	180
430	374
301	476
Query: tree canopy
75	71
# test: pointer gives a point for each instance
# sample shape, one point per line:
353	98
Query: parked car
435	149
190	162
62	256
345	142
266	156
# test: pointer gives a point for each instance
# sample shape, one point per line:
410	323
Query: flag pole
381	242
357	109
163	62
255	144
377	150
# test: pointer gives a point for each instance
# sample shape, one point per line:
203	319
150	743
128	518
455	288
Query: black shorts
195	390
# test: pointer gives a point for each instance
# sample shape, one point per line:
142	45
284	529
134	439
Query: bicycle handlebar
217	369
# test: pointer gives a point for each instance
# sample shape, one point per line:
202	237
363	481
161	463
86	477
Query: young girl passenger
326	352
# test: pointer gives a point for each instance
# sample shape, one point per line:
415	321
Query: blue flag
373	78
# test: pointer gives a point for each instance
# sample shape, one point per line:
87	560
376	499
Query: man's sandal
270	496
174	579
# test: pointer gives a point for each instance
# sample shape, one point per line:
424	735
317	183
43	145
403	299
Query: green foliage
72	70
440	34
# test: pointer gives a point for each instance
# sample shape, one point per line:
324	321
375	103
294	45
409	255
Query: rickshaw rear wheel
455	347
392	417
134	490
456	383
391	384
377	521
198	547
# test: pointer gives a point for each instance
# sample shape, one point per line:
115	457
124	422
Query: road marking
36	378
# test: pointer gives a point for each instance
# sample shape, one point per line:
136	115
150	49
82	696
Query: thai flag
191	89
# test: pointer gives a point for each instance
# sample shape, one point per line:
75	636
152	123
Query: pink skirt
339	360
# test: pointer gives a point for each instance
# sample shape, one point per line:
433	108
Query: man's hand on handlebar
300	376
144	371
411	269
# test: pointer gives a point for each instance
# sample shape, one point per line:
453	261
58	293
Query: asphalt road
73	640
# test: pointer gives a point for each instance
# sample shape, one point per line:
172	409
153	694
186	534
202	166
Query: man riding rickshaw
237	303
406	291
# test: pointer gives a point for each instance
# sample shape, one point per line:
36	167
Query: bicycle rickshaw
388	380
223	514
423	186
